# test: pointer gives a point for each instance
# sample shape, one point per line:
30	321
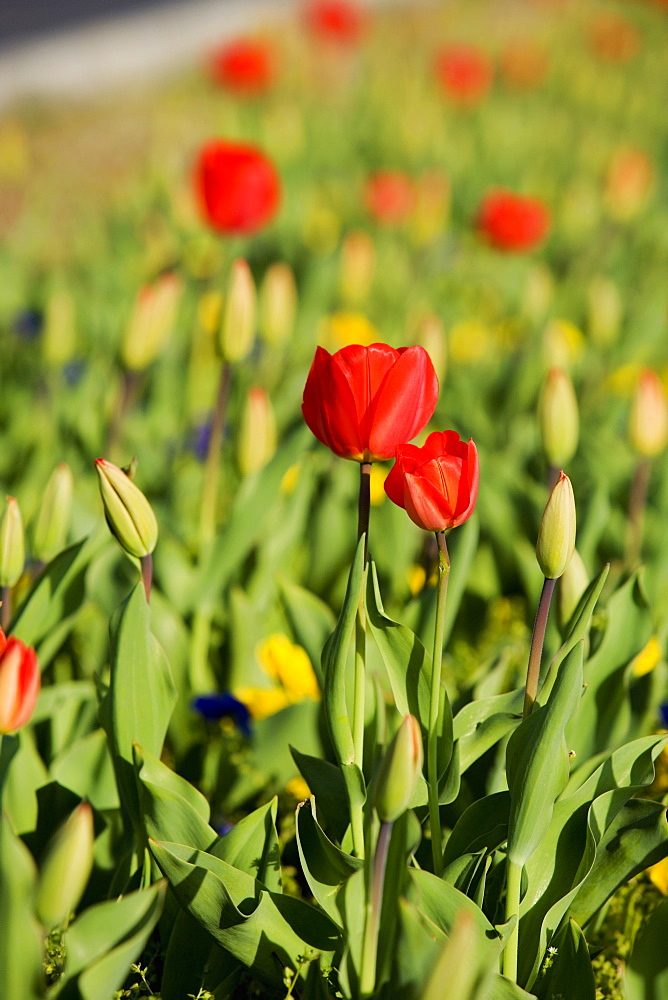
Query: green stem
513	886
435	720
359	689
637	504
6	609
146	563
373	911
364	506
537	640
207	520
130	382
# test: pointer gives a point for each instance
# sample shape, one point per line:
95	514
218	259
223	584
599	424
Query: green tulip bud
66	868
556	537
151	323
12	544
574	582
53	518
399	771
558	417
649	416
278	303
605	311
237	330
59	339
129	515
257	441
431	334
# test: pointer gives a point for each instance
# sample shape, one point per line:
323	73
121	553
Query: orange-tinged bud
19	683
129	515
53	519
649	415
257	441
358	262
399	771
12	544
558	417
278	303
151	323
556	537
237	330
66	868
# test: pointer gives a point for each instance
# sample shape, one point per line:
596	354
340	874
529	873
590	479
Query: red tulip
389	196
613	37
19	683
465	73
437	485
339	21
238	187
362	402
513	222
246	66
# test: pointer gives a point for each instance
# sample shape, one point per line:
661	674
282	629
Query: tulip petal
404	403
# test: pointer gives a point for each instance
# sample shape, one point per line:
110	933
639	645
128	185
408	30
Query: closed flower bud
66	868
129	515
257	442
358	262
431	335
649	416
59	337
12	544
237	329
605	310
558	417
53	519
20	682
399	771
278	303
574	582
556	537
151	323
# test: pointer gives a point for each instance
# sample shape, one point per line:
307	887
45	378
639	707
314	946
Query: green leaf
484	722
326	782
311	619
484	825
635	839
537	762
569	973
417	947
272	737
335	664
325	867
265	931
170	806
646	973
603	719
105	940
252	846
23	774
441	903
85	767
21	939
462	556
141	695
351	903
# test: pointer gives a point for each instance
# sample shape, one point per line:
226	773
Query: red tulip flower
239	189
389	196
513	222
437	485
362	402
341	21
464	72
19	683
245	66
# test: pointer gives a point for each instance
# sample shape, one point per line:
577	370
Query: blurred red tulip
513	222
464	72
341	21
437	485
19	683
238	187
628	182
246	66
524	64
613	37
389	196
362	402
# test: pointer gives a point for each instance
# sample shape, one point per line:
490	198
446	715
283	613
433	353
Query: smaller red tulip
238	187
437	485
513	222
19	683
614	38
340	21
245	66
464	72
362	402
389	196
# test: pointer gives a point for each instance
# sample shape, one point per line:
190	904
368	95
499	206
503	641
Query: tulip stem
435	720
373	910
637	503
364	506
146	563
6	609
537	640
128	390
513	887
207	521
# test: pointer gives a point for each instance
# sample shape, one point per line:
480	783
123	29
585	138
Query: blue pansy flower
223	705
